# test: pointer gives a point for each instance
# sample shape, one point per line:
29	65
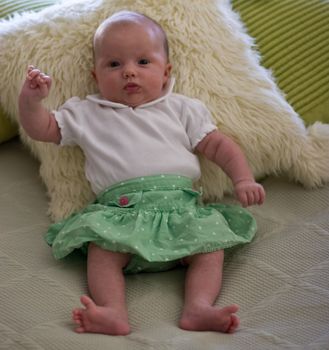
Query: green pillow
293	39
8	7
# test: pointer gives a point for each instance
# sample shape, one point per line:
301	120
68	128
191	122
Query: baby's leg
202	286
107	312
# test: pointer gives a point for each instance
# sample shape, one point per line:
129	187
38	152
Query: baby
140	141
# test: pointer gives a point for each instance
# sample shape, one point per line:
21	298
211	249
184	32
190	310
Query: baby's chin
133	100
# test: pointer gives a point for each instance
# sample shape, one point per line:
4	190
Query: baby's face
131	66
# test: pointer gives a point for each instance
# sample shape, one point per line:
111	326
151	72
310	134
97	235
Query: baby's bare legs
107	312
202	286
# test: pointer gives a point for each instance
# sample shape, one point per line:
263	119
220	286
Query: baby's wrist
34	102
243	180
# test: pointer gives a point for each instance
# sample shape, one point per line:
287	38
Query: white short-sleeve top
121	142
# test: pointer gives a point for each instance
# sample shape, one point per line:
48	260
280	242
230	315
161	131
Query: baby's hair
125	15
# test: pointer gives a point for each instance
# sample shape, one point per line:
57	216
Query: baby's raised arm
227	154
36	120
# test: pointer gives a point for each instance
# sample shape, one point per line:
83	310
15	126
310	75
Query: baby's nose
129	72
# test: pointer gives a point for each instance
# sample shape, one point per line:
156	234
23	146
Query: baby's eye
114	64
144	61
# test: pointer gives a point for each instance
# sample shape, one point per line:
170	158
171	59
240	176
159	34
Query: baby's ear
168	70
167	74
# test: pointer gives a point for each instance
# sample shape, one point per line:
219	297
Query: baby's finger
42	78
30	68
44	87
257	196
261	195
39	79
45	79
242	197
250	197
32	74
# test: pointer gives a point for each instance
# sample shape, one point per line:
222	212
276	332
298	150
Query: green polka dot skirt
157	219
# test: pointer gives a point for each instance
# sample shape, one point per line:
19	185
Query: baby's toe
235	322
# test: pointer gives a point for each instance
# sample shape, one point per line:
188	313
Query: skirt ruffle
158	220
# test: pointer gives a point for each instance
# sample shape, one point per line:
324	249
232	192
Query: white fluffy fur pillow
214	61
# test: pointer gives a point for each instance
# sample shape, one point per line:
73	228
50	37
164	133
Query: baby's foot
99	319
211	318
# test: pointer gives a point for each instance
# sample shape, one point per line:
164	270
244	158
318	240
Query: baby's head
131	59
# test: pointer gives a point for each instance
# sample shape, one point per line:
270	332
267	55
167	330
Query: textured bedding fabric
280	280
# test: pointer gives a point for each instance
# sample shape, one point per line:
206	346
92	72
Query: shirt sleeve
197	121
67	117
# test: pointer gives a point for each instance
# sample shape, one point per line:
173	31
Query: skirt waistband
149	183
130	192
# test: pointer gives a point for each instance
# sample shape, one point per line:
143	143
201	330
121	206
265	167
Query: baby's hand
249	192
37	84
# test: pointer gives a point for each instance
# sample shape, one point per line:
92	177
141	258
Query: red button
124	200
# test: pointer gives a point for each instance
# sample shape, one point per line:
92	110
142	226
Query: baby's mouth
131	87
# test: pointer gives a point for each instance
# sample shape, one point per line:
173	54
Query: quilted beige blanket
280	280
